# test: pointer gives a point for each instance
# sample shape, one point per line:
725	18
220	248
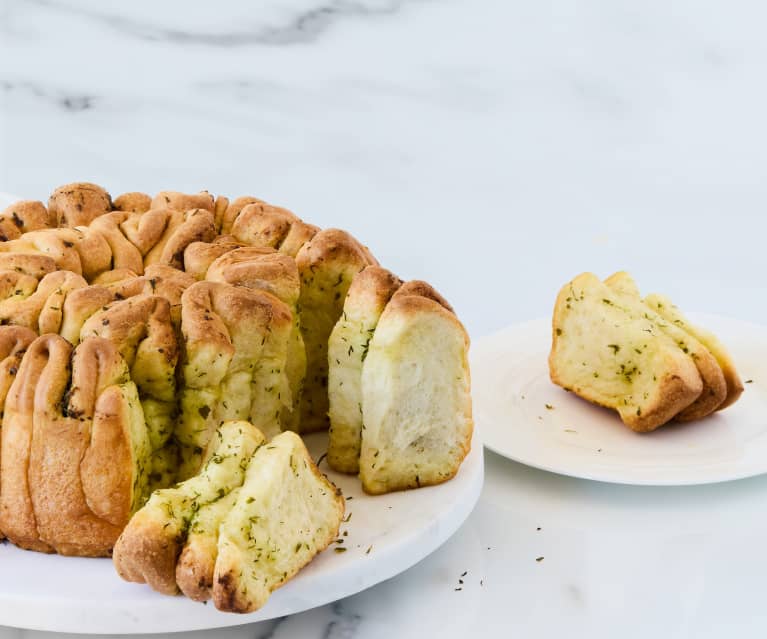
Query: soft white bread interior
416	400
286	512
348	346
611	356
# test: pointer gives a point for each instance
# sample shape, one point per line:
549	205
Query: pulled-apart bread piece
78	204
327	265
198	256
714	385
416	394
75	449
264	269
367	298
286	512
24	216
611	356
236	343
149	547
262	224
666	309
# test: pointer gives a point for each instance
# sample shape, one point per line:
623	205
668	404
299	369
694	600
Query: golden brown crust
81	502
258	268
145	230
197	226
133	202
233	210
78	204
198	256
220	207
125	255
419	288
79	305
114	276
146	556
17	514
28	263
42	310
262	224
183	201
24	216
14	341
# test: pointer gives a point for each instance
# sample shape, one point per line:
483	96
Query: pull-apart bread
149	340
253	517
617	350
75	449
400	403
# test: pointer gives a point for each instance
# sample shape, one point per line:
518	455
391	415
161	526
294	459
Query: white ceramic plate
511	390
386	535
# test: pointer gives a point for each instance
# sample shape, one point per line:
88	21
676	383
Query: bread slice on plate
286	512
605	352
416	399
149	547
714	385
367	298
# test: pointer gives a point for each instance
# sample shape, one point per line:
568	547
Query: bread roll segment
416	397
327	265
348	346
665	308
618	359
286	512
714	385
148	548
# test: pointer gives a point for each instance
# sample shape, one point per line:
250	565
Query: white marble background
495	148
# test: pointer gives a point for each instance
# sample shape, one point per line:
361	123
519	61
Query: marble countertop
494	149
